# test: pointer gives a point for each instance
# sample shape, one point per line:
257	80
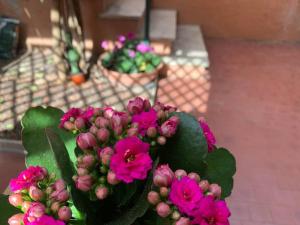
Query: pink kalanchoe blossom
131	160
45	220
104	45
88	113
186	195
34	213
209	136
108	112
143	47
27	178
119	119
122	38
212	212
169	127
136	106
72	113
131	53
145	120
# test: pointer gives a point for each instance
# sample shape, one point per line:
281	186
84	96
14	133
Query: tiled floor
251	98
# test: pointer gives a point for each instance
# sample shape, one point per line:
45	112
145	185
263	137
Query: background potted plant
129	60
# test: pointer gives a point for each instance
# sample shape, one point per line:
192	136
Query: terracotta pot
78	78
129	79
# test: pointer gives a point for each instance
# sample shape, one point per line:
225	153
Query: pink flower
186	195
121	38
88	113
145	120
169	127
72	113
209	136
119	119
131	160
46	220
104	45
86	141
143	47
27	178
131	53
137	105
212	212
163	176
34	213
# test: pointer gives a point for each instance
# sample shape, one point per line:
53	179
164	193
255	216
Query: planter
78	78
129	79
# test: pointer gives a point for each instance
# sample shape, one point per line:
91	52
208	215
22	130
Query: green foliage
187	148
6	210
221	166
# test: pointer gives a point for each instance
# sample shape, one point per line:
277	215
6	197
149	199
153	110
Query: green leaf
187	148
34	138
141	206
124	192
221	167
6	210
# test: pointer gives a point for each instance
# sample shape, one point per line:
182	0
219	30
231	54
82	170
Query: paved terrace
251	98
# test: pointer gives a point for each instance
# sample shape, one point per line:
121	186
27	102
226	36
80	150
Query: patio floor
251	99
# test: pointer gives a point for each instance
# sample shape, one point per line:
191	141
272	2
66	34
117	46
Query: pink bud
69	125
88	161
25	206
168	128
82	171
163	209
59	185
79	123
194	176
216	190
163	176
180	173
55	207
135	106
84	183
164	192
101	192
103	134
161	115
112	178
86	141
118	130
108	112
119	119
102	122
63	196
133	131
153	197
176	215
161	140
146	104
15	199
35	193
36	210
93	129
106	154
16	219
151	132
183	221
64	213
204	185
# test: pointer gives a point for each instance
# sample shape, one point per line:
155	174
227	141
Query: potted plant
129	61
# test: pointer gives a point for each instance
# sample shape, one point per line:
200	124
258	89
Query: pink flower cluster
41	199
197	201
118	143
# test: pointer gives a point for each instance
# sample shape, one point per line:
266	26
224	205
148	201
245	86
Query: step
189	47
131	9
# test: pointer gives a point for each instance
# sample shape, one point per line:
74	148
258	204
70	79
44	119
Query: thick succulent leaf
141	206
34	138
187	148
221	167
6	210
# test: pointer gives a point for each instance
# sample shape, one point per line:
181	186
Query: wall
271	20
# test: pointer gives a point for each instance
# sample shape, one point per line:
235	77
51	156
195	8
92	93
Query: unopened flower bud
69	126
163	209
136	106
161	140
176	215
108	112
147	104
55	207
102	122
16	219
164	192
36	210
35	193
88	161
106	154
194	176
216	190
153	197
161	115
59	185
93	129
133	131
82	171
118	130
151	132
84	183
204	185
64	213
25	206
63	196
79	123
112	178
15	200
163	176
103	134
169	127
183	221
180	173
101	192
86	141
